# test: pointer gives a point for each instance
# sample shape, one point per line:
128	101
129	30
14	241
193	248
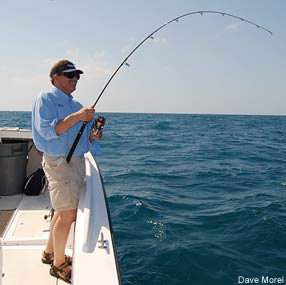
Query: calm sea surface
194	199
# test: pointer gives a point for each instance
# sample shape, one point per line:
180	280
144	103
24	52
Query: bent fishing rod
150	36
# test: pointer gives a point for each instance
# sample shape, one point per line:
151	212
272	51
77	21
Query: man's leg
61	231
50	245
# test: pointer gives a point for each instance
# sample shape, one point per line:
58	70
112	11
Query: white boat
25	228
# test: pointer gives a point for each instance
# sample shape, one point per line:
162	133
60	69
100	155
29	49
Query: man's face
66	81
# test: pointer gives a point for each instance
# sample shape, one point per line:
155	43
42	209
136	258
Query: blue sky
203	64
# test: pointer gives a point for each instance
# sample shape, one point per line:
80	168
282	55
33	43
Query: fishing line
150	36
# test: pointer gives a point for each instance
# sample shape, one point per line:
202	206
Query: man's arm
85	115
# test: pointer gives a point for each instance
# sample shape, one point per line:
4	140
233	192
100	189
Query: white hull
94	253
27	232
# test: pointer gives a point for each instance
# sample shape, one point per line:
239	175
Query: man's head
64	75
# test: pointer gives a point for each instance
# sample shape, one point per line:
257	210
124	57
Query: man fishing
56	120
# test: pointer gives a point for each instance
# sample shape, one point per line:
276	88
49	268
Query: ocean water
194	199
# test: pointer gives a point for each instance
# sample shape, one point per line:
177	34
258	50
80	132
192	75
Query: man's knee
67	217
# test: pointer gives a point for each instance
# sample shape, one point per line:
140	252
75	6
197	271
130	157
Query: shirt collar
61	94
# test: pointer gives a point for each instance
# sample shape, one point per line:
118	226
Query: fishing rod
150	36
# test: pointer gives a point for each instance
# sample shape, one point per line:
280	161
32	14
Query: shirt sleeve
46	117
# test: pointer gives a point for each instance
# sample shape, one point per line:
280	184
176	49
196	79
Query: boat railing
94	248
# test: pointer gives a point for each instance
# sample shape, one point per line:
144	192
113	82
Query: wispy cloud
233	26
94	65
95	68
228	28
129	46
160	40
101	53
72	53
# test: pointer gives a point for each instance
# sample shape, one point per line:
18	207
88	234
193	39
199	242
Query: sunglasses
71	75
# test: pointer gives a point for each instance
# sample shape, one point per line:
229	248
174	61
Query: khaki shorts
65	181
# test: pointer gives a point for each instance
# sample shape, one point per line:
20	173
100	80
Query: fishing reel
98	125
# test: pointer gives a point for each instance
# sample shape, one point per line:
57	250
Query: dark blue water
194	199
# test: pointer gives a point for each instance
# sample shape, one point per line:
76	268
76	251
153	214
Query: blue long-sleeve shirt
50	107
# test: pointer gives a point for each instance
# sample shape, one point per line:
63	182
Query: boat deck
30	270
24	239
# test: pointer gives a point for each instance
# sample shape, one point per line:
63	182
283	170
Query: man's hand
86	114
95	136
